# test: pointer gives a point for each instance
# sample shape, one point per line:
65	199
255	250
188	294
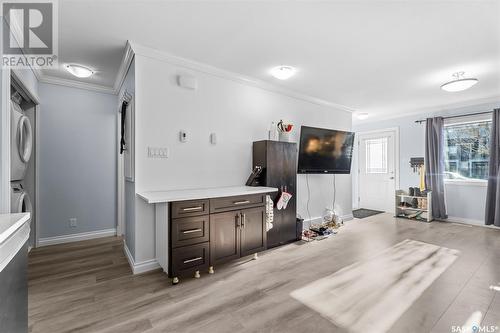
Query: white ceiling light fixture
283	72
362	115
79	70
460	83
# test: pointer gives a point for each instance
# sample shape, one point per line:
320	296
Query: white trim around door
359	136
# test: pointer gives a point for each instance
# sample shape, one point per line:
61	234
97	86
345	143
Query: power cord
334	193
308	197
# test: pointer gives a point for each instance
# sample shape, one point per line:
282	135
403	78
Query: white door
377	170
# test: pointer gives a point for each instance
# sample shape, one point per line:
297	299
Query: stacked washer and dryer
21	147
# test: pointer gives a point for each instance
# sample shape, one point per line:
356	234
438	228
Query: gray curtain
434	165
492	215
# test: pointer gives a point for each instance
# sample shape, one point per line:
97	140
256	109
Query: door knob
391	177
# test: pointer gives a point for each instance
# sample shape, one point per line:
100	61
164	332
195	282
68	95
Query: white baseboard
456	219
347	217
140	267
76	237
469	222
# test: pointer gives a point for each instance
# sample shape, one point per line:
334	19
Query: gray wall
77	160
465	202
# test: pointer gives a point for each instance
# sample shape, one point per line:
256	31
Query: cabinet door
224	237
253	230
288	225
274	174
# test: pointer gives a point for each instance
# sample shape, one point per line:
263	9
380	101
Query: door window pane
376	155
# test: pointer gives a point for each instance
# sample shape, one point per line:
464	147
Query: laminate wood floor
88	286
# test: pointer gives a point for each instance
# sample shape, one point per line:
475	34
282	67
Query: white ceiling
382	57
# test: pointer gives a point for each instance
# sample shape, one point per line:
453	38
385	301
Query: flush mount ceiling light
460	83
79	70
283	72
362	115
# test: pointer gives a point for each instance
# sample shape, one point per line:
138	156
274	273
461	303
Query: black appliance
325	151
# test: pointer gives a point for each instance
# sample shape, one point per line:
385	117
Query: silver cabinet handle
191	260
241	202
243	220
189	209
238	221
190	231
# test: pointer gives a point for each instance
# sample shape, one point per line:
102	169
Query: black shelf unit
279	161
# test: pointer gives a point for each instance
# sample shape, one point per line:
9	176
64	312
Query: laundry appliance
19	199
21	143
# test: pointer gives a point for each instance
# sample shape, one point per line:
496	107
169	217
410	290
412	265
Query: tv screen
325	151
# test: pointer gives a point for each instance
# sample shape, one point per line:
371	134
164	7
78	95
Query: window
376	155
467	150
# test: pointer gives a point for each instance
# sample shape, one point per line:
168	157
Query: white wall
465	202
77	160
239	114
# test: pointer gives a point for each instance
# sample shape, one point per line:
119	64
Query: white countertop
14	232
202	193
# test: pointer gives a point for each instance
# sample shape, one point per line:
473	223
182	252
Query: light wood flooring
88	286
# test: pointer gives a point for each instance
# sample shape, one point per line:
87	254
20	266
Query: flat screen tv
324	150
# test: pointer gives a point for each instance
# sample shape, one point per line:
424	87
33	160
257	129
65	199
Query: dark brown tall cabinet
279	160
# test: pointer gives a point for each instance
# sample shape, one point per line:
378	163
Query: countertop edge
13	240
258	190
14	227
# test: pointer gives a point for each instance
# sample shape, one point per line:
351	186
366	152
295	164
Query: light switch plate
158	152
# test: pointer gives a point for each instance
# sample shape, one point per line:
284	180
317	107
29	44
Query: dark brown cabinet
237	234
253	231
279	160
225	237
206	233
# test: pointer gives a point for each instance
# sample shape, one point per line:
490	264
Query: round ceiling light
79	70
460	83
283	72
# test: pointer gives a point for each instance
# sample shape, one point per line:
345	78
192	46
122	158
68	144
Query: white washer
21	142
19	200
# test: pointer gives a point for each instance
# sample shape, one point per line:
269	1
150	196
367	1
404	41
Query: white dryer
19	200
21	142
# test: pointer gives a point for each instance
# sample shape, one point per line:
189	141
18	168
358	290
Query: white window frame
462	121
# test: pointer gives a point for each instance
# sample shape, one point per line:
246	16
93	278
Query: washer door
23	204
24	138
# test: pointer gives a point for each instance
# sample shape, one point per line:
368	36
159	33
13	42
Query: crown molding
431	110
75	84
228	75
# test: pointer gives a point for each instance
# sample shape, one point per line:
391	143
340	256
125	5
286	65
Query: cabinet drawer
191	258
190	230
238	202
189	208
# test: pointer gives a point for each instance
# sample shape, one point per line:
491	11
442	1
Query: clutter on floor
329	226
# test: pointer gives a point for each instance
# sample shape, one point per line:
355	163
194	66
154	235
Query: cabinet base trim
139	267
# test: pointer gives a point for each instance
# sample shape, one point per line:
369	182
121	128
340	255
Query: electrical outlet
72	222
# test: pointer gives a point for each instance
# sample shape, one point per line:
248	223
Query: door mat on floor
360	301
363	212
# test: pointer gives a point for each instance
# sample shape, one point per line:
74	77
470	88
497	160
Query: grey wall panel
14	294
77	160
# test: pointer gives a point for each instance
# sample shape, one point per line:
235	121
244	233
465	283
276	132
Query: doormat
363	212
371	295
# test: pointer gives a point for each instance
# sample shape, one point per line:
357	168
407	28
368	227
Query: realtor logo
29	34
